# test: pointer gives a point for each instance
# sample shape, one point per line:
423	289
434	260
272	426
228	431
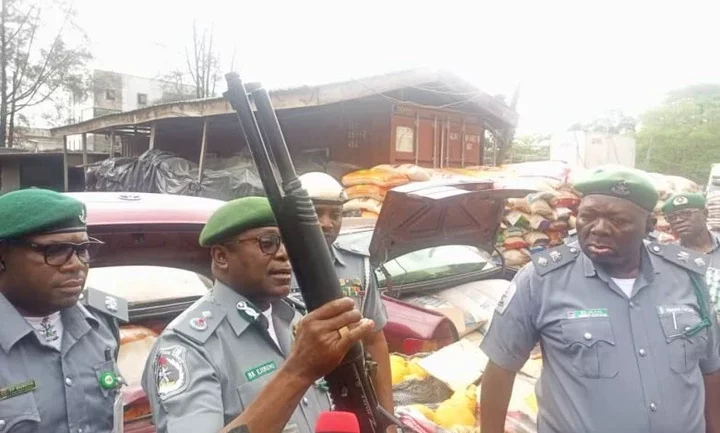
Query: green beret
617	181
684	201
35	211
235	217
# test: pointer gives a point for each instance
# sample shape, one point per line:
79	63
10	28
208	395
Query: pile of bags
539	221
713	205
366	189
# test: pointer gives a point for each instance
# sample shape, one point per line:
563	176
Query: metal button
653	407
641	352
588	336
305	401
68	381
632	304
82	296
687	328
2	424
79	430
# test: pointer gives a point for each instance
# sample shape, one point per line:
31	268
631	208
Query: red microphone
337	422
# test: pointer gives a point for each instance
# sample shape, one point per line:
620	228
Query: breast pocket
19	414
684	352
591	346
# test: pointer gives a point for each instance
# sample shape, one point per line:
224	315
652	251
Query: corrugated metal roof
312	96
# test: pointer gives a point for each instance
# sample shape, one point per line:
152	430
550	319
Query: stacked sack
713	205
536	222
366	189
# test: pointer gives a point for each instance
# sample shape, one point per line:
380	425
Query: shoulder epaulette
554	258
199	323
104	303
352	248
683	257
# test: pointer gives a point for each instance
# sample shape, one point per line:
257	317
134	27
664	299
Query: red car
151	257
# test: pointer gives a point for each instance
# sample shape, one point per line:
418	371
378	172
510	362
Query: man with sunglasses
357	278
242	348
687	214
58	342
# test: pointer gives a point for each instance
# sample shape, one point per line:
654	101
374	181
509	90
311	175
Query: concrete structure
113	93
23	169
427	117
592	149
36	140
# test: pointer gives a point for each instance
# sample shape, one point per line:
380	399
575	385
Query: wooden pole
84	149
111	153
65	163
152	137
203	146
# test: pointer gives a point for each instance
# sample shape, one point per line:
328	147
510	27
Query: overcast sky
573	59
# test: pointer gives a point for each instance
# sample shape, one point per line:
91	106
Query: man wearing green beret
687	214
629	341
58	341
242	349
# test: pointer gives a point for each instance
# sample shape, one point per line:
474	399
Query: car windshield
434	263
422	265
148	284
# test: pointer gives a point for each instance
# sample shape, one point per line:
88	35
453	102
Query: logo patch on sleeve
171	372
506	298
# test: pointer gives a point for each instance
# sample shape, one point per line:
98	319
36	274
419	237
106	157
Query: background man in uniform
219	358
687	215
629	342
57	355
356	276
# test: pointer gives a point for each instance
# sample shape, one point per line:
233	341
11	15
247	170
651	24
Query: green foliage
528	148
39	62
682	137
612	122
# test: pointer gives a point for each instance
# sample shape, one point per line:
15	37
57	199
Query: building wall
592	149
42	171
9	175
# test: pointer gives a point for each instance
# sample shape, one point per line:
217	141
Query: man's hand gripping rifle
350	386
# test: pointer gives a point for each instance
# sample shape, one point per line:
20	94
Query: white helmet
323	188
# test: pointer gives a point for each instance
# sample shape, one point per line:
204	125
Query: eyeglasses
269	244
59	253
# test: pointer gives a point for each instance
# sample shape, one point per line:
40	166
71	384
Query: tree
36	66
527	148
612	122
202	67
682	136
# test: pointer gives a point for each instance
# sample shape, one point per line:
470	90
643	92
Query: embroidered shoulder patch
506	298
171	372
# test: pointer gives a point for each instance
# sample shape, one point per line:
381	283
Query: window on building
110	94
142	99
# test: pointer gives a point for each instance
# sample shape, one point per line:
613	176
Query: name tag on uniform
19	389
260	371
674	309
587	314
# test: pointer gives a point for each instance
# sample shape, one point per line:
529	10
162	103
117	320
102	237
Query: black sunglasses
59	253
269	244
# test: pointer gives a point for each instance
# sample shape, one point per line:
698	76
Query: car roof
133	208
